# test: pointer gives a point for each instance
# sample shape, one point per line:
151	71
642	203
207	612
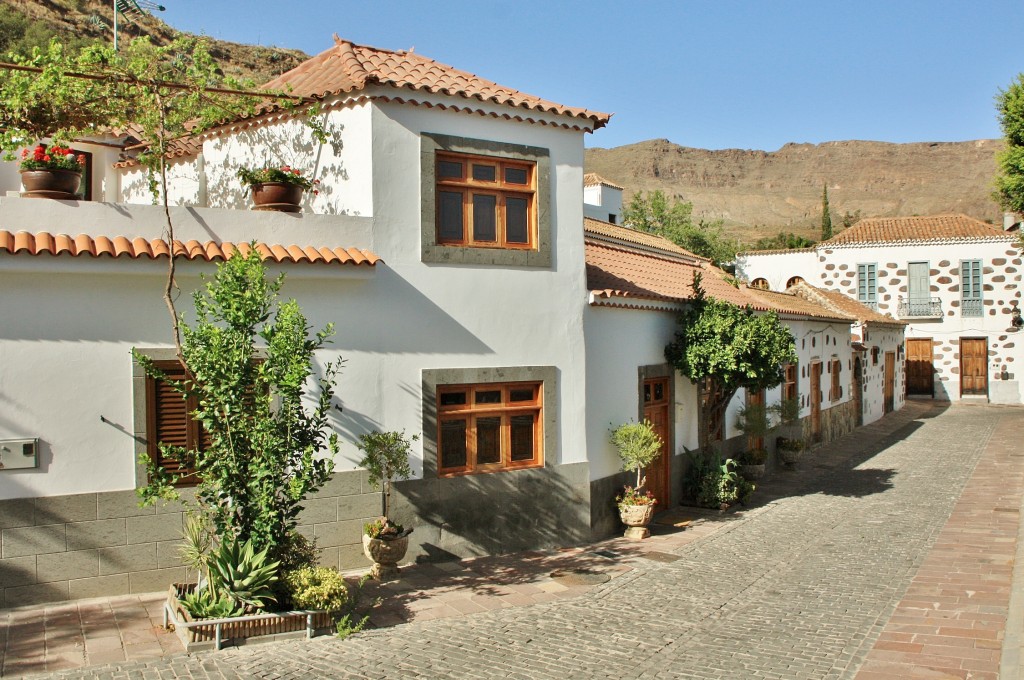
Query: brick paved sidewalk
84	633
950	624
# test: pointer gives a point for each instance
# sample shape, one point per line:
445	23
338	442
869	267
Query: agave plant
201	603
240	573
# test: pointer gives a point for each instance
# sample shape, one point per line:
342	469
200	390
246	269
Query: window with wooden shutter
867	284
970	288
836	392
789	383
169	421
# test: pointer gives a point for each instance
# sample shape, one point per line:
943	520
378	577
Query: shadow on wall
273	146
495	513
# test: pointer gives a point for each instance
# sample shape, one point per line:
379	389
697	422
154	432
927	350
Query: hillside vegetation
759	193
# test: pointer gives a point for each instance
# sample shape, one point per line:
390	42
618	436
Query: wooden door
974	366
858	389
755	399
920	367
657	410
815	397
889	382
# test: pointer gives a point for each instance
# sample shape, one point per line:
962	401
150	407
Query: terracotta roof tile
926	228
347	67
833	299
25	243
623	272
597	228
593	179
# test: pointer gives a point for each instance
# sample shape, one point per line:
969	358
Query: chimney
1011	221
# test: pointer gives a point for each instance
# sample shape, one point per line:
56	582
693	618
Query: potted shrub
714	483
386	458
279	188
790	450
638	446
51	172
752	463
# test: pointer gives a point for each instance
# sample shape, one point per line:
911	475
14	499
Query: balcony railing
926	308
971	308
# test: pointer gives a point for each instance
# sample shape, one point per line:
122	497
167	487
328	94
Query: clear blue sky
704	73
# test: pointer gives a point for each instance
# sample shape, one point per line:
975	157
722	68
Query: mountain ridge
758	193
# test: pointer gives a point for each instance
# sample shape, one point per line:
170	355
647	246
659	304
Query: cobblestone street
801	585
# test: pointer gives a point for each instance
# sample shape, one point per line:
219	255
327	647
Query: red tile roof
347	67
44	242
926	228
607	230
592	179
833	299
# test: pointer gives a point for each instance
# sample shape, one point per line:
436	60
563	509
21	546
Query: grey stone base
100	544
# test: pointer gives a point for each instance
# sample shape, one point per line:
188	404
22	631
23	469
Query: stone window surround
433	253
432	377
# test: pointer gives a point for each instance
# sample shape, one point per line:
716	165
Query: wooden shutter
169	420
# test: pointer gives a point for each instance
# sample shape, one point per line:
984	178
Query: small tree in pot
386	458
639	446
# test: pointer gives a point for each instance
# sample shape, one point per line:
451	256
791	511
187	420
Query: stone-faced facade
954	280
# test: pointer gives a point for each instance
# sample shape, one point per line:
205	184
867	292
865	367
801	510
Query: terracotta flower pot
751	472
385	555
636	518
279	196
59	184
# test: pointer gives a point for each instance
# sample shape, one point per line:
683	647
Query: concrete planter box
202	634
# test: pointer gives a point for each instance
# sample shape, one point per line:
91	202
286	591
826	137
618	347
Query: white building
446	244
602	200
638	283
953	279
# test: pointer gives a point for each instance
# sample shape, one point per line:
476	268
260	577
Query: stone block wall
99	544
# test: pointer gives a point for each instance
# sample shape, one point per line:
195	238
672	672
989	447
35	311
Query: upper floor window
970	288
489	426
793	281
759	283
867	284
485	202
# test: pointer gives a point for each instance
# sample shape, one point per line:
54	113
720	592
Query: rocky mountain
75	20
759	193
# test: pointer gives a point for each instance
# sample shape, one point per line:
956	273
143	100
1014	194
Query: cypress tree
826	215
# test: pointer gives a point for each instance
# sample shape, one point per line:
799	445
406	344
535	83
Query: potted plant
752	463
638	446
279	188
50	172
386	458
790	450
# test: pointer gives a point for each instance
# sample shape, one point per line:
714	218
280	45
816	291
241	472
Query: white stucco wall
69	323
343	165
619	343
886	339
835	268
600	202
104	179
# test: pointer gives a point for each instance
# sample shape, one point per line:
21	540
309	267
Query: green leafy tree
732	348
265	444
1010	178
782	241
826	215
654	214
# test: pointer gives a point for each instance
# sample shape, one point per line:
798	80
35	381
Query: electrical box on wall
18	454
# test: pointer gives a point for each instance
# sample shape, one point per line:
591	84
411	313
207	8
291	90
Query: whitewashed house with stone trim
446	244
638	283
955	280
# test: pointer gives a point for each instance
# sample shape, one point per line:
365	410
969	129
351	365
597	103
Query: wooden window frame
471	412
835	392
790	382
193	429
500	189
